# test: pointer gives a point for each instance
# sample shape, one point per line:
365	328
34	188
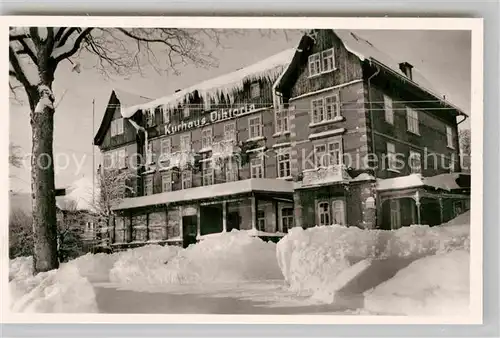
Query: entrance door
189	230
233	221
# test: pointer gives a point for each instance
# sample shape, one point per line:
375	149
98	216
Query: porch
260	206
413	199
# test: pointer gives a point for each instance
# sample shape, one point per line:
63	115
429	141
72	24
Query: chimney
406	69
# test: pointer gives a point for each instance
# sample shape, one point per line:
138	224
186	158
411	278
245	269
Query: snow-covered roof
365	50
129	99
227	84
210	191
442	181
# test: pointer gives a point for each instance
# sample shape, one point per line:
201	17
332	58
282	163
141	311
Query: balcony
325	175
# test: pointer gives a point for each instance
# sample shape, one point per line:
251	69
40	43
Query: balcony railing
322	175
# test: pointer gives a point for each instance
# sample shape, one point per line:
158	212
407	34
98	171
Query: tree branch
27	51
64	37
18	70
76	45
34	35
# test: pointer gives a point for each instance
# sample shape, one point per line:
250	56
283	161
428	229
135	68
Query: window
412	120
187	179
326	109
314	64
392	162
415	162
231	170
165	147
395	214
114	159
230	131
261	220
255	90
449	137
319	155
116	127
332	107
389	113
149	155
317	110
150	117
255	126
148	185
328	60
122	158
338	211
185	112
324	213
166	181
257	167
335	153
457	208
186	142
322	62
166	115
107	161
207	173
286	219
284	163
206	138
282	120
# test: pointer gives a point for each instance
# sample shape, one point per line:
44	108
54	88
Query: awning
230	189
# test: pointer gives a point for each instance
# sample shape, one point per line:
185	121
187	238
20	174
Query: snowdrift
434	285
225	257
329	262
141	265
57	291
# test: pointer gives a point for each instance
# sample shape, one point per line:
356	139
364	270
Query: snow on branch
66	47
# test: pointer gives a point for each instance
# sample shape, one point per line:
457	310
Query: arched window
324	213
338	210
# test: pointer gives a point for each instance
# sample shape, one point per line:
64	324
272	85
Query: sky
442	57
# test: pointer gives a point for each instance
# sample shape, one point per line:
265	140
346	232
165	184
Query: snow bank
225	257
141	265
434	285
317	260
62	291
95	267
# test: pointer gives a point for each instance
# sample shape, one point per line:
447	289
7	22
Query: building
314	135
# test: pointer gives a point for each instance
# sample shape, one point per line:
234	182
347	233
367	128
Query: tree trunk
43	191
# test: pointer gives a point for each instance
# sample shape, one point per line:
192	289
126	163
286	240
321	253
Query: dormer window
255	90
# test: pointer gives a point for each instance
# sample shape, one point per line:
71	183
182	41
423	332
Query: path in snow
248	298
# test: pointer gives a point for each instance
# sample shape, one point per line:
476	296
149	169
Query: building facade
311	136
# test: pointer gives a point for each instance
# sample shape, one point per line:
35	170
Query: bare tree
36	52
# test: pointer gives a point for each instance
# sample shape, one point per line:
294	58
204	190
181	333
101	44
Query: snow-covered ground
411	271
